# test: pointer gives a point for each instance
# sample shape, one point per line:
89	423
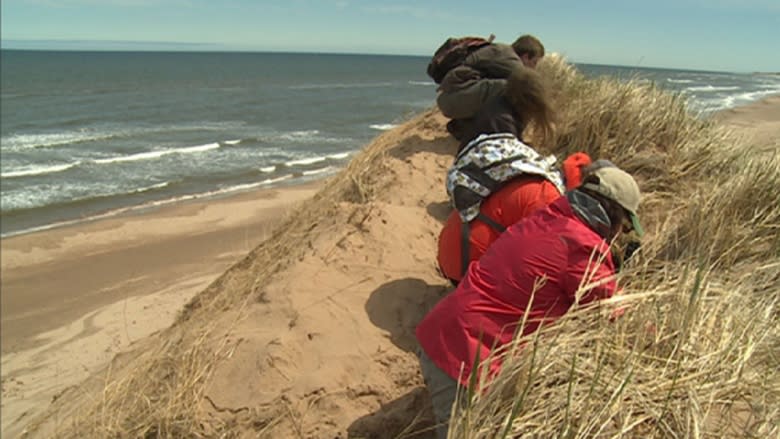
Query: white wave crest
341	85
319	171
714	105
151	188
38	170
91	134
709	88
275	180
296	136
383	126
307	137
679	81
308	161
157	154
30	141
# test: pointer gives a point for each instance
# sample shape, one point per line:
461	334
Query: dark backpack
452	54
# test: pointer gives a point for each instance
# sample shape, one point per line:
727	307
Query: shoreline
759	122
152	205
35	265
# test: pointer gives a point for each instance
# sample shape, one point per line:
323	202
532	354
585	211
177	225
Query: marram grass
689	358
696	353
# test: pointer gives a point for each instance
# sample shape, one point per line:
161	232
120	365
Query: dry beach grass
310	335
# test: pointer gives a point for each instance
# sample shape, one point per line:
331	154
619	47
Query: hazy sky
729	35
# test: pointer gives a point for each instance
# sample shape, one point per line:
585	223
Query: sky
718	35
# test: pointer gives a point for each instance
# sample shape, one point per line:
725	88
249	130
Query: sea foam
383	126
157	154
38	170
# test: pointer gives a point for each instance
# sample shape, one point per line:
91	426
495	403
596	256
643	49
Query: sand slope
324	347
333	341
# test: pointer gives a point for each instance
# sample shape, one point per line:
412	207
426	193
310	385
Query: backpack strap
465	248
491	222
465	239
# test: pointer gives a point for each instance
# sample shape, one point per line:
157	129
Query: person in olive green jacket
482	76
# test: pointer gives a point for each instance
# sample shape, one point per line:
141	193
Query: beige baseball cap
619	186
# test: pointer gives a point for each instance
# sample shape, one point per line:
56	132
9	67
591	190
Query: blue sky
723	35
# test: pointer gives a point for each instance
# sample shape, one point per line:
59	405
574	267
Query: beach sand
759	122
73	298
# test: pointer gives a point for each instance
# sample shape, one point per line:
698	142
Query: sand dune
317	337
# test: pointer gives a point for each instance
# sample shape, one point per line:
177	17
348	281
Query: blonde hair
527	93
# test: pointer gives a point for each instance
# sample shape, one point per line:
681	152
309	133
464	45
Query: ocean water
85	135
707	92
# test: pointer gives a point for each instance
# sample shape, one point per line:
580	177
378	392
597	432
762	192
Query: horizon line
200	47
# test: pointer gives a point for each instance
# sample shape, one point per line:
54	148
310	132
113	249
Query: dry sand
328	352
759	122
74	297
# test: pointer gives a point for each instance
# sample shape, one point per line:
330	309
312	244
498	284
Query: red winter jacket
513	202
492	298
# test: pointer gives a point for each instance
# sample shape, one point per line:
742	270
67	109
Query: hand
631	248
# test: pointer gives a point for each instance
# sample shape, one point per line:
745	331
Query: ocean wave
755	95
30	141
341	85
710	88
157	154
56	194
318	171
146	205
305	162
303	176
103	215
306	137
732	101
339	156
38	170
427	83
232	142
296	136
679	81
273	180
149	188
27	141
383	126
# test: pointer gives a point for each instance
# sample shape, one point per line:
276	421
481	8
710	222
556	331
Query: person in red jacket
514	201
566	243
